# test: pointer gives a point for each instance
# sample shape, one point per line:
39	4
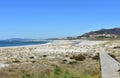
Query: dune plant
59	73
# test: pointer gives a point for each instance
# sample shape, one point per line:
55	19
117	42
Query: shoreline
60	42
31	45
36	45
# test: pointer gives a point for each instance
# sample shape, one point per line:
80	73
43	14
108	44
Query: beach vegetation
59	73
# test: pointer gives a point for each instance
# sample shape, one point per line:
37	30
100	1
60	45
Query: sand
54	50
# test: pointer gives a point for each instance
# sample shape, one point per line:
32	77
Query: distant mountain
102	34
18	39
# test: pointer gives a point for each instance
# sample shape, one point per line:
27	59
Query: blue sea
20	43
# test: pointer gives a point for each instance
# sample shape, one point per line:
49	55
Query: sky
42	19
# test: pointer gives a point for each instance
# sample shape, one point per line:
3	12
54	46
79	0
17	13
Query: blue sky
56	18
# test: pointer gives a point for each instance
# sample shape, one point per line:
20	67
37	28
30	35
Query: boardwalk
109	66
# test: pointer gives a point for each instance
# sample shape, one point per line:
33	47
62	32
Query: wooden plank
109	66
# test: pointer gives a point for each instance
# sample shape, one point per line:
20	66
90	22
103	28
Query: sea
21	43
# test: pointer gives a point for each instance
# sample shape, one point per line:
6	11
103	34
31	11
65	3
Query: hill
102	34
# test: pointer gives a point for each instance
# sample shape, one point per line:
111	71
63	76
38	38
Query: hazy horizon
53	37
38	19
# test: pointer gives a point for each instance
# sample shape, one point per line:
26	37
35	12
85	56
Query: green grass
58	73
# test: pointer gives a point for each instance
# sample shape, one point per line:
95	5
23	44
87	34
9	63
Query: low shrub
79	57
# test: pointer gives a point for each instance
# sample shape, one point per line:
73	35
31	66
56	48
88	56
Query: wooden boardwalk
109	66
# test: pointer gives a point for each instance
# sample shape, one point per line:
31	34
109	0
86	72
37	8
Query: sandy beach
56	47
77	53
